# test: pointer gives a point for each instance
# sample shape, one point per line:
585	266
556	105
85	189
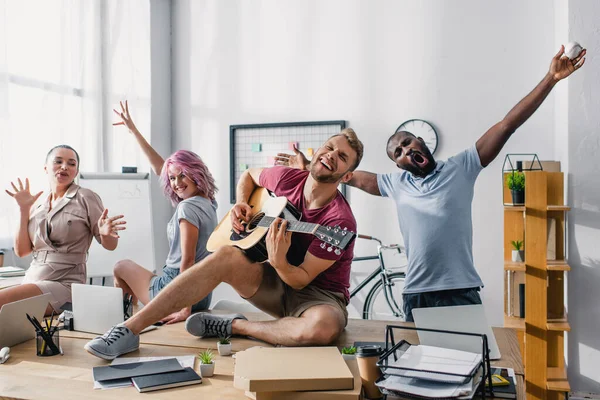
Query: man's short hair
354	143
397	134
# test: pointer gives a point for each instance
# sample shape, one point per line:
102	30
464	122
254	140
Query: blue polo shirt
434	214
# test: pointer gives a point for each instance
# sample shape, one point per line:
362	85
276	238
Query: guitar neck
293	226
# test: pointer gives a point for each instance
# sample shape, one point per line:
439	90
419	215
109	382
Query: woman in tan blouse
59	231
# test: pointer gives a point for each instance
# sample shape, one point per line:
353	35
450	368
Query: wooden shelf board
557	380
557	265
558	208
514	323
514	208
558	325
514	266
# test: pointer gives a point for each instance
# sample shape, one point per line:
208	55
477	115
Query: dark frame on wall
341	124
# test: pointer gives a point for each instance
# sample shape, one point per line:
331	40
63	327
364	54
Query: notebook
148	383
131	370
505	392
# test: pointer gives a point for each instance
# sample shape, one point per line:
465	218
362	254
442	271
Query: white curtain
64	64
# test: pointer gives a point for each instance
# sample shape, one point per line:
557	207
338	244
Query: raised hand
125	118
110	226
23	196
240	212
562	66
297	160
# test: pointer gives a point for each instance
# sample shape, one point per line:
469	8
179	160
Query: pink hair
194	168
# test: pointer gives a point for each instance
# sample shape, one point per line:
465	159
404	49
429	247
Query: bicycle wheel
376	304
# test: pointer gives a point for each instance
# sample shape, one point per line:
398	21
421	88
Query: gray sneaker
117	341
211	325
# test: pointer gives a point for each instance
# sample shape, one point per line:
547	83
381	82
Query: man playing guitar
304	284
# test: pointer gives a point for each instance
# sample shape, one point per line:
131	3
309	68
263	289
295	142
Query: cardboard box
548	166
353	394
290	369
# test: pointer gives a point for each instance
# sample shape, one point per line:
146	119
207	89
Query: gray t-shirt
198	211
434	214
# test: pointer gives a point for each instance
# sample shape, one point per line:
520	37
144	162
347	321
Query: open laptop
15	328
96	309
470	318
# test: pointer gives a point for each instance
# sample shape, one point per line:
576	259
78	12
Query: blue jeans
442	298
158	283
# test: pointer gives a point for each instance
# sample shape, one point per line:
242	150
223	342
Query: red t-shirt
289	183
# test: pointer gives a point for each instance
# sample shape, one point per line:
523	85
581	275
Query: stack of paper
8	272
432	372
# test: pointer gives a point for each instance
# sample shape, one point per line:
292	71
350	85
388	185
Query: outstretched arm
366	181
156	161
490	144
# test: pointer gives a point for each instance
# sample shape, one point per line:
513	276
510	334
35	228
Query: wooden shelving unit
540	223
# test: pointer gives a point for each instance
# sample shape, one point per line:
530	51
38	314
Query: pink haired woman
189	185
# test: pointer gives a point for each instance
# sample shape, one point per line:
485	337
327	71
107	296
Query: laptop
15	328
96	309
470	318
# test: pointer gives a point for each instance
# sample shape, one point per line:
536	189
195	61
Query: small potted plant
224	345
349	353
516	183
207	363
518	255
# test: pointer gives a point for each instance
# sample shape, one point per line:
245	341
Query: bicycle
384	300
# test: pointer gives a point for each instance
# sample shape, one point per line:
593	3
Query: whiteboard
127	194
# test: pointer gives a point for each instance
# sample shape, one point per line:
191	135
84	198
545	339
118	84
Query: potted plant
224	346
349	353
207	363
518	255
516	183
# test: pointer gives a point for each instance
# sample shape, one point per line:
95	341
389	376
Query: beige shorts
279	300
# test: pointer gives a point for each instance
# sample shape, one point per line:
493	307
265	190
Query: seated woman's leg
21	292
133	279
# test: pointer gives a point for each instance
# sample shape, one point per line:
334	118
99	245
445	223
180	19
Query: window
64	65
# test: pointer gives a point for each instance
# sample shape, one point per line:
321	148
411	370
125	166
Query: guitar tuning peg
330	249
345	228
336	230
329	239
323	245
344	233
328	228
321	236
337	252
336	242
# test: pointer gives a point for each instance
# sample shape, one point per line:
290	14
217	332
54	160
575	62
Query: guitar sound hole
254	222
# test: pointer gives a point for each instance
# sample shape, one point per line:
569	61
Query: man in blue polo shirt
433	200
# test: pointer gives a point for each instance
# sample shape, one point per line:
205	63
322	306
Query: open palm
126	119
562	66
22	195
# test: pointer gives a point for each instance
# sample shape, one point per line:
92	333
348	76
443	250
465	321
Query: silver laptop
469	318
96	309
15	328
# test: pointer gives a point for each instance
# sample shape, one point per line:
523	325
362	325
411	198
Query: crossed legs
318	325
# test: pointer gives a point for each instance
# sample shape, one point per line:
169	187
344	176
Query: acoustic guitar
266	208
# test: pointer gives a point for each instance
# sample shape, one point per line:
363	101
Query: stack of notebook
147	376
428	372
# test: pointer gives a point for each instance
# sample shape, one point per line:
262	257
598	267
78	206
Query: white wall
461	66
584	198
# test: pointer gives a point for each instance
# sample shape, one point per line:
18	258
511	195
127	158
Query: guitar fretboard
293	226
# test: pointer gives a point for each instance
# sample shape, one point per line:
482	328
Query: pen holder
45	349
